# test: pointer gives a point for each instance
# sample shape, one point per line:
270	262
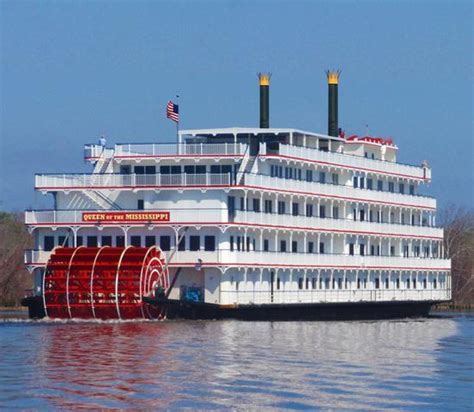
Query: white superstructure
263	216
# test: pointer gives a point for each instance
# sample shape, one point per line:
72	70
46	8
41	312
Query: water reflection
389	365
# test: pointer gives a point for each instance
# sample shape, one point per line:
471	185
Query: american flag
172	111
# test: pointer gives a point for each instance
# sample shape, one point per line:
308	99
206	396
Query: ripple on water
389	365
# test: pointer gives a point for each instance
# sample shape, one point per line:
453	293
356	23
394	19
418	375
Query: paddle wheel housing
104	283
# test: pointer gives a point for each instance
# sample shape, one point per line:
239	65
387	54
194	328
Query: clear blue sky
73	70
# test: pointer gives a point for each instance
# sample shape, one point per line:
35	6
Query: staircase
246	168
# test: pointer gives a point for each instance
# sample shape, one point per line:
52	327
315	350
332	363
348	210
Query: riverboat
249	223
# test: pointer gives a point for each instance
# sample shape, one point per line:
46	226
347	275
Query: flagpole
177	123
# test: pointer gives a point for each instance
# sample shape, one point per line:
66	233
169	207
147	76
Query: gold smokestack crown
264	79
333	76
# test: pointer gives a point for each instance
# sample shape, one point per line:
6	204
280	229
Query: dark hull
176	309
321	311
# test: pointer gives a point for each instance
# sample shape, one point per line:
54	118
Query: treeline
458	226
458	245
14	278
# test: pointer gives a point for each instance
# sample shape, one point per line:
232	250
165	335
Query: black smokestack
264	80
333	80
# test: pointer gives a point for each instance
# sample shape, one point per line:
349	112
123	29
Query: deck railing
185	149
115	180
351	161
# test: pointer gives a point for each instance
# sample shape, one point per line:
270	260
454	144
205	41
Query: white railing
339	191
331	296
343	225
352	162
185	149
36	257
307	260
112	181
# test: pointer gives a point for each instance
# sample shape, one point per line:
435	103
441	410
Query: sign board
114	217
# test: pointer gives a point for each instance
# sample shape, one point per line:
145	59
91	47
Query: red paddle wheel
104	283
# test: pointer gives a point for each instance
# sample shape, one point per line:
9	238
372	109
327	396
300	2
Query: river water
422	364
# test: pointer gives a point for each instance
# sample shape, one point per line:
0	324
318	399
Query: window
106	241
413	220
408	283
139	170
165	170
295	209
358	283
370	184
278	283
120	241
266	246
379	185
294	246
300	283
335	179
392	250
210	243
140	204
310	247
377	283
79	241
309	210
371	216
356	181
397	283
281	207
435	284
125	169
194	243
335	212
366	154
403	218
322	211
362	215
238	243
242	204
248	244
321	247
362	249
372	156
92	241
351	249
231	205
391	187
309	175
362	183
299	174
256	205
268	206
150	241
150	170
231	243
412	189
315	283
414	283
134	241
307	283
165	243
282	245
386	283
401	187
63	241
48	243
424	284
322	177
372	250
